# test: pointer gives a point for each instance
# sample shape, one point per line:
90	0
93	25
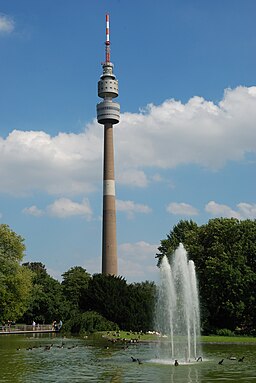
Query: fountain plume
177	308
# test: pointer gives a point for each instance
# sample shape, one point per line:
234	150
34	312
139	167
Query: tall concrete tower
108	114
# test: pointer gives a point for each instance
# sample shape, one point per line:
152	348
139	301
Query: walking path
27	329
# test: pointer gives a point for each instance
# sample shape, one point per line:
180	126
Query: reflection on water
39	359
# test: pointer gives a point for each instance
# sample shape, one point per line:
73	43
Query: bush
224	332
89	322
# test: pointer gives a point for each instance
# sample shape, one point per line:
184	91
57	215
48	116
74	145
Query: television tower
108	114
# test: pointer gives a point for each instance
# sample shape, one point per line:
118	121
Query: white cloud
64	207
160	137
131	208
33	210
198	132
7	24
133	178
244	210
137	261
67	164
181	209
247	210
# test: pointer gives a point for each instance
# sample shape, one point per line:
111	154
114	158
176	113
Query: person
53	325
33	325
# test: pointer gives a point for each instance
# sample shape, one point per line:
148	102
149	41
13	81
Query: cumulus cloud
159	137
33	210
244	210
137	261
133	178
198	132
65	164
7	24
62	208
130	208
181	209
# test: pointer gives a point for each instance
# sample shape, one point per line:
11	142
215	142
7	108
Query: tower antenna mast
107	42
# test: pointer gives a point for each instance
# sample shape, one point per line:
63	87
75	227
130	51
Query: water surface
44	358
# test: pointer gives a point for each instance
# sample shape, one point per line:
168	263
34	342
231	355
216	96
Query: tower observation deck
108	114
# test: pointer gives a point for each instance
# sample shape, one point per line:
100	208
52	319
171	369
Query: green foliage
74	285
88	322
47	302
224	332
130	306
15	280
107	295
224	252
141	303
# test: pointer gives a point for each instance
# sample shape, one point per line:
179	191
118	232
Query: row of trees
224	252
82	301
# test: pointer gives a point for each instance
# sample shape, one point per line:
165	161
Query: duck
221	361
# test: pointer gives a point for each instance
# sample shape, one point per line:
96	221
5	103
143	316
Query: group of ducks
48	347
199	359
232	358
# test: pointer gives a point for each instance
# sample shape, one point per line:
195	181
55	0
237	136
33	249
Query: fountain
177	310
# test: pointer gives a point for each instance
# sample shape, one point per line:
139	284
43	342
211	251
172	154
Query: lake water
28	359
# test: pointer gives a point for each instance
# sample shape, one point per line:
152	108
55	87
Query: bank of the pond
142	337
227	339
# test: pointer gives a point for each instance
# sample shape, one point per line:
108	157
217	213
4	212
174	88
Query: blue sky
186	144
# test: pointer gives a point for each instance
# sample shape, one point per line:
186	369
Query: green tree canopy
75	283
47	301
131	307
15	280
224	252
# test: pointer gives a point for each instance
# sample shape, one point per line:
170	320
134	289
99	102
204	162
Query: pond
51	358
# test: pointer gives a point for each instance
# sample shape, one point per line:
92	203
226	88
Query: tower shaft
108	114
109	244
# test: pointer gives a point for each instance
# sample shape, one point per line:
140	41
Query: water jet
177	310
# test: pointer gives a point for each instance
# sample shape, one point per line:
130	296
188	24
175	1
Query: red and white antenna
107	43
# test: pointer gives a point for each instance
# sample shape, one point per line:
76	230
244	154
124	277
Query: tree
15	280
141	303
224	253
131	307
184	232
107	295
47	301
75	283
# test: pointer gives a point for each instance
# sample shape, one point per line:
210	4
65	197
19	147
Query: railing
27	328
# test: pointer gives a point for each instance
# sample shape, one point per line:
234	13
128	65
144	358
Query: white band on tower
109	187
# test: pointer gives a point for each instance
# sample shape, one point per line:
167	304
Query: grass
205	339
227	339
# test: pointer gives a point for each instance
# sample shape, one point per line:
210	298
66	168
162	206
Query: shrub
224	332
89	321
